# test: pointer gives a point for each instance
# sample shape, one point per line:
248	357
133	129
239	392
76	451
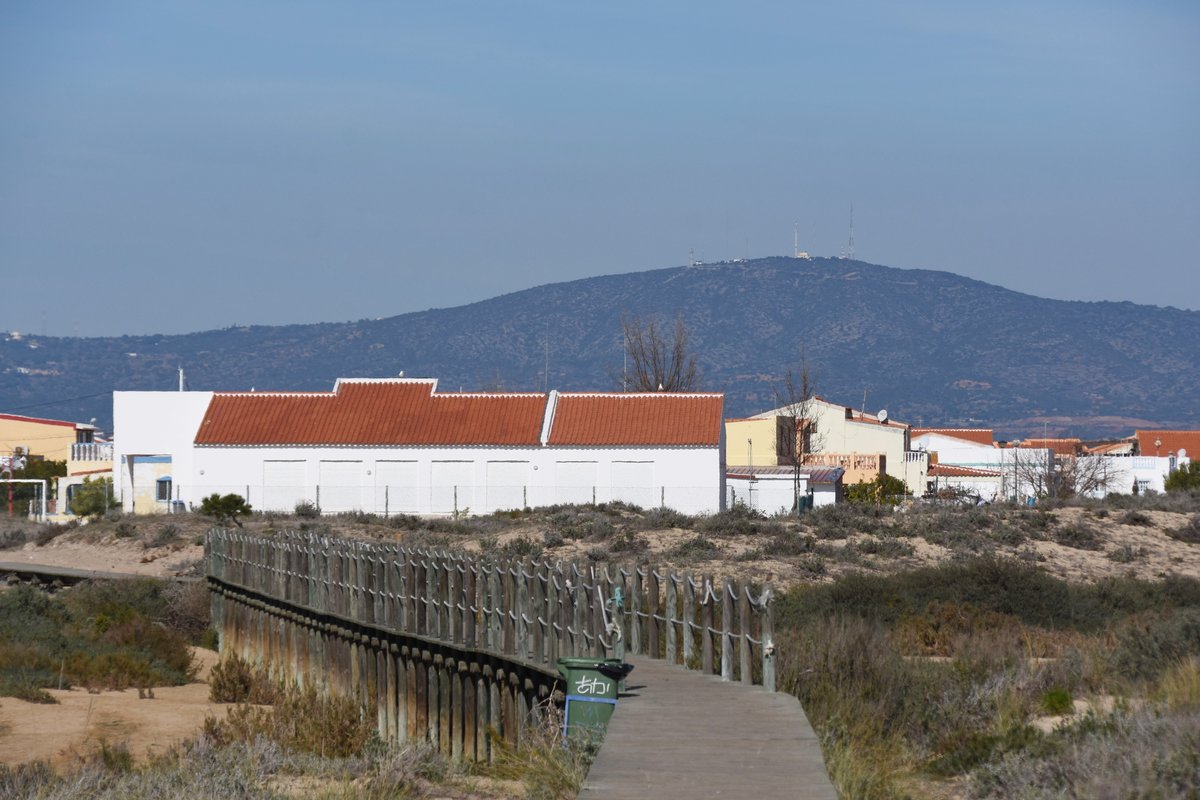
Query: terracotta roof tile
637	419
1061	447
1169	442
977	435
392	412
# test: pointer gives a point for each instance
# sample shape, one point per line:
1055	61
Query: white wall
155	423
774	494
440	480
1118	473
1013	463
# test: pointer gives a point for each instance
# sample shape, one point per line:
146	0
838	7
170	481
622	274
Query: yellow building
864	445
50	439
57	440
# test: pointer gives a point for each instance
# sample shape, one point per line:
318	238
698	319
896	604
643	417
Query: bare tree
796	435
656	359
1058	477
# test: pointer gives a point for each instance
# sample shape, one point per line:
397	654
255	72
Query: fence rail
445	644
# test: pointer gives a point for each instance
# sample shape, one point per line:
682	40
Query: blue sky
176	166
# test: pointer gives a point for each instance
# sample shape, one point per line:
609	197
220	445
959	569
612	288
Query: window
162	490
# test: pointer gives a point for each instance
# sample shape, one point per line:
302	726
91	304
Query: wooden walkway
677	733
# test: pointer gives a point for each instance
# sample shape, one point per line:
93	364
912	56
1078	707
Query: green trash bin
591	695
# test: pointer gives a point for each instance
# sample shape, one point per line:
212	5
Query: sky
172	166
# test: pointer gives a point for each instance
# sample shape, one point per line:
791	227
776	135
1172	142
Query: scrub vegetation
992	679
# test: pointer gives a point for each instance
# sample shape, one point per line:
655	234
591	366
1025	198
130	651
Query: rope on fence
532	611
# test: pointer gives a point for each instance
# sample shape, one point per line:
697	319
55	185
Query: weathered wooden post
652	612
689	617
671	615
635	602
746	673
768	640
727	589
706	644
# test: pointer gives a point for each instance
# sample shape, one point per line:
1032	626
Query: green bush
1185	478
107	635
227	508
1146	648
740	520
1058	701
93	498
306	509
884	490
1079	536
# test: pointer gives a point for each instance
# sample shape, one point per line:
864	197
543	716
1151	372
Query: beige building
864	445
57	440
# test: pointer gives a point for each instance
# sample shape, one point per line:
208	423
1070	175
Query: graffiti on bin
592	685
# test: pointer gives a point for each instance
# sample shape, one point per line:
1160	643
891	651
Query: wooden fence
444	646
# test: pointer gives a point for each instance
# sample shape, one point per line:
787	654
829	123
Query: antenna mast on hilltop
797	252
850	244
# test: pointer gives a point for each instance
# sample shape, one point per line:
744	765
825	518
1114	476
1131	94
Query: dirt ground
70	730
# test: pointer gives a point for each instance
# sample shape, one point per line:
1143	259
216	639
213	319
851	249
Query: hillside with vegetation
933	348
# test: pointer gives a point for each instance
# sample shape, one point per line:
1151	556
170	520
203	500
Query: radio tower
850	244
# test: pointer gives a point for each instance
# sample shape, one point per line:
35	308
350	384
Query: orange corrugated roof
1169	442
977	435
637	419
393	412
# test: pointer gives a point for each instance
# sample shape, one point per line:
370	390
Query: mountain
933	348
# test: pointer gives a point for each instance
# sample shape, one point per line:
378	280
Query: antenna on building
546	374
850	244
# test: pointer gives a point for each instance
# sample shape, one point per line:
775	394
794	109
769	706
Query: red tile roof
392	412
977	435
411	412
1061	447
1170	442
657	418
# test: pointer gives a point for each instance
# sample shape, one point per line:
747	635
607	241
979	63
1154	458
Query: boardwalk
683	734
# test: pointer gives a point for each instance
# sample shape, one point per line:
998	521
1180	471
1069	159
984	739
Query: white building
399	446
773	490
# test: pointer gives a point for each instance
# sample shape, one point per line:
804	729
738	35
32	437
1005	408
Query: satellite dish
882	415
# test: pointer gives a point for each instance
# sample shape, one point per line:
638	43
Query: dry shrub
948	628
1179	686
234	680
188	609
302	719
1189	533
548	770
1145	754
